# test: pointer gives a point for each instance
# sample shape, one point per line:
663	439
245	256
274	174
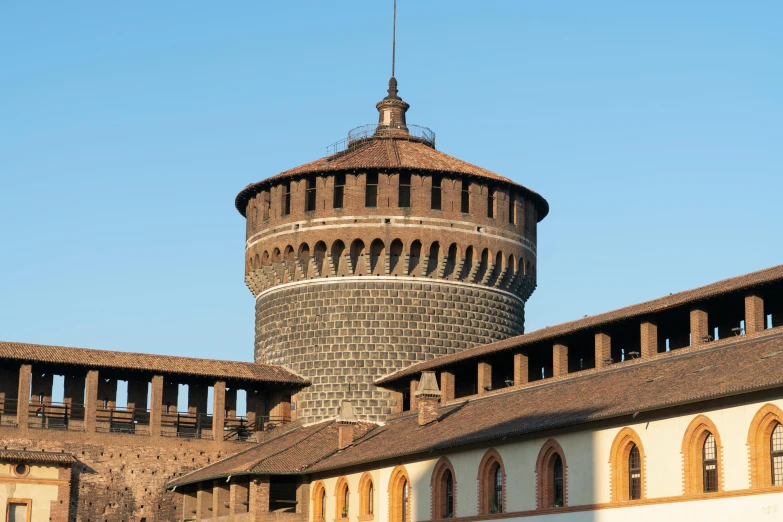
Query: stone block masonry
344	334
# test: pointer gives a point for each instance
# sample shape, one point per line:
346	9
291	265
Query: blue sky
653	129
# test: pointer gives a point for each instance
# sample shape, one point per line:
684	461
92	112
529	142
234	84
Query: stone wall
120	477
342	334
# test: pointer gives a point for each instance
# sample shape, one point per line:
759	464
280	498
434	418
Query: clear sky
127	129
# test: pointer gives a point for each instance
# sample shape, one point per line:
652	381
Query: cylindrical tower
384	253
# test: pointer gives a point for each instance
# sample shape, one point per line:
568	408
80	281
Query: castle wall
344	333
117	476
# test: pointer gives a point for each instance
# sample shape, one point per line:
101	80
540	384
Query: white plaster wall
588	472
41	495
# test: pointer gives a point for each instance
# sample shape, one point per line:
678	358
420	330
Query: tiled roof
43	457
390	154
732	368
742	282
292	452
242	371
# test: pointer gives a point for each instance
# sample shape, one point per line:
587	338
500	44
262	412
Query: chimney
428	398
345	424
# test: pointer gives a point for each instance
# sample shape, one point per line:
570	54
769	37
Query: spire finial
394	36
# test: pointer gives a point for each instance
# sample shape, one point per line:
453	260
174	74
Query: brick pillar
484	377
259	497
447	386
231	402
754	315
91	401
414	387
156	405
218	410
107	391
520	369
649	339
41	390
397	399
197	398
559	360
137	394
699	326
23	407
603	348
73	389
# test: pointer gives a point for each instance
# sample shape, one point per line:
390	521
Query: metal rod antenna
394	36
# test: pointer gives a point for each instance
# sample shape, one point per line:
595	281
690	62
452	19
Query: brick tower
383	253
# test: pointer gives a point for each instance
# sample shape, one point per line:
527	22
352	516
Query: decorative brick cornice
618	463
485	480
437	485
692	446
759	435
544	471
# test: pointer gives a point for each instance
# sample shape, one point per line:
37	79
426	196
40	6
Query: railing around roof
370	130
186	425
8	409
56	416
242	428
135	421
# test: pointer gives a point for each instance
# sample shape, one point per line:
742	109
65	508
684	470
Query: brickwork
119	477
347	333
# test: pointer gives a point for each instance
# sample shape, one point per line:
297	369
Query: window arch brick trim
692	447
437	492
364	489
618	463
317	498
544	474
395	494
486	481
759	435
339	496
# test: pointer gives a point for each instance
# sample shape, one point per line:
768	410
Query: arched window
496	505
634	474
710	464
765	443
776	455
366	496
449	513
551	476
701	450
443	486
557	481
399	496
405	501
342	494
627	466
491	480
319	501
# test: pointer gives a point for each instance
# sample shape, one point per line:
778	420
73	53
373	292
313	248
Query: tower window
286	202
405	191
310	194
465	196
339	191
491	202
435	203
512	208
371	191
